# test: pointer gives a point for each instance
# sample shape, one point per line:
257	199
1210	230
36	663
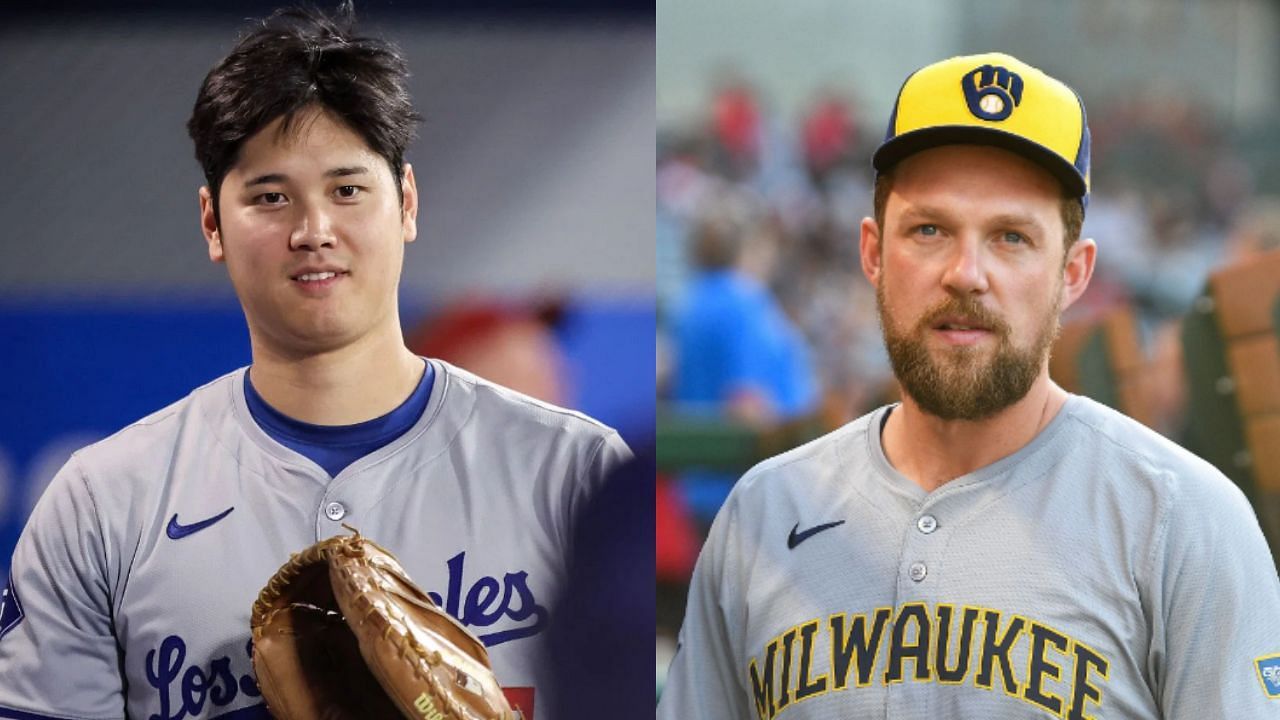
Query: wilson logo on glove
426	707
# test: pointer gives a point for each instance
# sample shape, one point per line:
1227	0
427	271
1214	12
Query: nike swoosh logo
177	531
795	538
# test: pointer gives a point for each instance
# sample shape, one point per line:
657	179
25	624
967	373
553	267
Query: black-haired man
132	584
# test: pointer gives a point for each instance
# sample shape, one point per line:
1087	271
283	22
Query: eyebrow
1018	221
928	214
270	178
917	213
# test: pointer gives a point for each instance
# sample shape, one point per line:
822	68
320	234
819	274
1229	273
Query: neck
339	386
932	451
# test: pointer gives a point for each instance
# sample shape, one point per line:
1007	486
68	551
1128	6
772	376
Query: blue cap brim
899	148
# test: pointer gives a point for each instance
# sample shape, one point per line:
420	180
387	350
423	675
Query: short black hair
296	59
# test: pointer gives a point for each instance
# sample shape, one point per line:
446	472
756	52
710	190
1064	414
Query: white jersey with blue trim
1099	572
131	586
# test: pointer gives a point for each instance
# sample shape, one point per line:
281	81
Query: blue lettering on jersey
1269	673
479	608
10	608
184	691
219	686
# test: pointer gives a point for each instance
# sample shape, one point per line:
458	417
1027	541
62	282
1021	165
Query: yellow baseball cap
992	99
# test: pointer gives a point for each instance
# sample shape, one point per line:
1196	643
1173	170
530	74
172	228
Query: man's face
969	277
312	233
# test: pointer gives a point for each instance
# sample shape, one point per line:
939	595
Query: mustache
965	306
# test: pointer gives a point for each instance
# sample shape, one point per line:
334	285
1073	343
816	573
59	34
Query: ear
1078	270
409	213
869	248
209	226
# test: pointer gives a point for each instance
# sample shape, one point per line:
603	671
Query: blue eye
1015	238
927	230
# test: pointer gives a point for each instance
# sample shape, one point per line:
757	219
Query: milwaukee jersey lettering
140	564
950	645
1098	572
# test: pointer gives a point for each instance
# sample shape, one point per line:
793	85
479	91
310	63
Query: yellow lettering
1084	692
943	642
945	671
902	649
856	649
808	687
762	682
1039	666
788	640
997	648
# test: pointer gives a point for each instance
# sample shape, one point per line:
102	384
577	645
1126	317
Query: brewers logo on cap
992	99
992	92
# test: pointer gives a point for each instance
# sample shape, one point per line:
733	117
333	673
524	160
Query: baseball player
991	547
132	584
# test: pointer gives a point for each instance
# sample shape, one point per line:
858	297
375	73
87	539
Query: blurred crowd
765	316
747	204
757	244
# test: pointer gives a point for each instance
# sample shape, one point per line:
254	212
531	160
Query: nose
965	272
313	231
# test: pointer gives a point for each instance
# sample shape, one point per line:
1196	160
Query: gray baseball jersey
1099	572
132	583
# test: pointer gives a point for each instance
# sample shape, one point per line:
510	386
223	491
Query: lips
317	275
318	281
961	323
962	326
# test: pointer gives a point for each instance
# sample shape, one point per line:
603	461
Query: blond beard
960	385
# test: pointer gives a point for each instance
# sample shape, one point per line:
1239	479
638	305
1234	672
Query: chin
313	337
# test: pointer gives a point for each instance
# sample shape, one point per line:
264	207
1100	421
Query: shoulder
801	466
1134	444
1206	555
118	479
150	440
1130	454
511	413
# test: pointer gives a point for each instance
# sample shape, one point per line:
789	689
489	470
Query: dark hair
300	58
1072	212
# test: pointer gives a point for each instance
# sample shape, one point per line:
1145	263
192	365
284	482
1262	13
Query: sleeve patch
10	608
1269	674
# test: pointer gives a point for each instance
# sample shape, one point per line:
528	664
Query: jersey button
918	571
335	511
927	524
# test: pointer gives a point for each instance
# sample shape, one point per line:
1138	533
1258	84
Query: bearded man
993	546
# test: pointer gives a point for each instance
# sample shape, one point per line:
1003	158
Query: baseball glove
341	632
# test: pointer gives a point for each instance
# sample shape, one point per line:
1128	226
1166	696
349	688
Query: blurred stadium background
767	116
534	167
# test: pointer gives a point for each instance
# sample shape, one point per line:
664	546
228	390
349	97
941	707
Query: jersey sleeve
607	456
1217	596
703	680
610	458
58	654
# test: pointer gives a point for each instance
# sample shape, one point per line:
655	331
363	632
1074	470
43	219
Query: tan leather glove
341	632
